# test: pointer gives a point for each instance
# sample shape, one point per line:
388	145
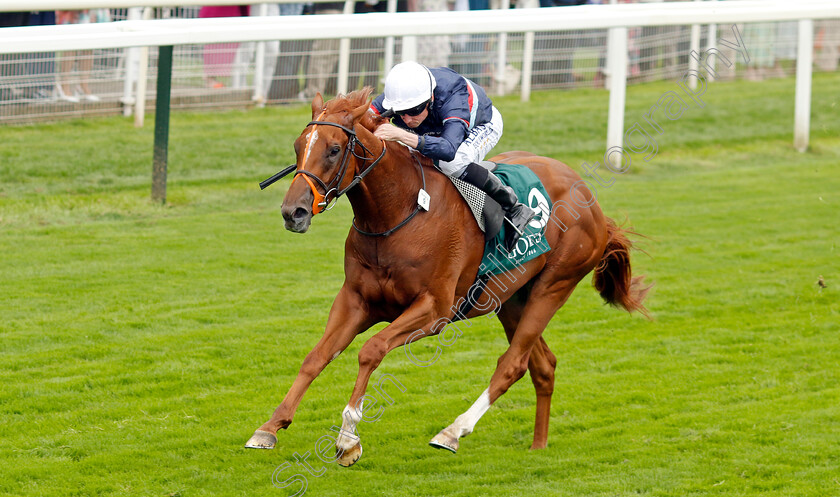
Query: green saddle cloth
530	191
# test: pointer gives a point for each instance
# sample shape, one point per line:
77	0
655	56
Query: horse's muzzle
297	218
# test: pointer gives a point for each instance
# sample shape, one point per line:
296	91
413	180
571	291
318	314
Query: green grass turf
142	344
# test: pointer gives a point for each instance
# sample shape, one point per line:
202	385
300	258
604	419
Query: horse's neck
388	194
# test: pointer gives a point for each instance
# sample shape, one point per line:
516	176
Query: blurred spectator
595	39
323	58
10	64
599	42
470	54
286	82
554	53
760	37
654	48
773	42
432	51
827	45
248	52
458	43
83	59
366	54
784	48
724	72
218	57
14	19
41	66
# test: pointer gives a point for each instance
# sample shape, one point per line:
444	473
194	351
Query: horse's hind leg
541	364
545	299
448	438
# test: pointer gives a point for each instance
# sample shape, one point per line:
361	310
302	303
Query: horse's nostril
300	214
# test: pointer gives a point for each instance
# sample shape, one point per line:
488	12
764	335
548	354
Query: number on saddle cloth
490	216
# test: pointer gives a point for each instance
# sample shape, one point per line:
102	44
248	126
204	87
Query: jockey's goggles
414	111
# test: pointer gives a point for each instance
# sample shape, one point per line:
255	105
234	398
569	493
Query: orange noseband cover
318	198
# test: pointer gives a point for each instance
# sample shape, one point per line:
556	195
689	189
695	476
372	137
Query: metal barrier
541	45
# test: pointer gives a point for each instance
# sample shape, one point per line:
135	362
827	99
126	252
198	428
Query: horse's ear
317	105
372	120
362	95
359	111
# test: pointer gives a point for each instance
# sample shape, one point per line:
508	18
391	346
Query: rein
410	216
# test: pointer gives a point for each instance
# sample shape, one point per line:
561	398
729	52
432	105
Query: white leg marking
465	423
348	437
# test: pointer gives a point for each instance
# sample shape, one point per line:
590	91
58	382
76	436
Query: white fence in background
616	18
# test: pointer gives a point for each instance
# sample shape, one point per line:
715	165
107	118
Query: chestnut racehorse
414	276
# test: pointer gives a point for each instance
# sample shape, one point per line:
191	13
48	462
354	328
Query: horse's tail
613	278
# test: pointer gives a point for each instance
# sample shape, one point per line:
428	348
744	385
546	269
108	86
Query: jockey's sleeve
455	101
443	147
376	104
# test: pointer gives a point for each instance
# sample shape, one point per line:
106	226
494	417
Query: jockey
449	118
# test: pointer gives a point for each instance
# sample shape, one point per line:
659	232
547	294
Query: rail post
804	61
618	86
164	87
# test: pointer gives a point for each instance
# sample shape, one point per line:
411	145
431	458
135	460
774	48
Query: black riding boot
517	214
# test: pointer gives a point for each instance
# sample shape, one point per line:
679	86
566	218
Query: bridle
322	203
325	201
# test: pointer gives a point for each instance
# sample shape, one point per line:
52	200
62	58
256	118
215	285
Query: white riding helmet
408	85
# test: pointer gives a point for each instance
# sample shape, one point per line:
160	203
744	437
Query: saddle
487	212
490	217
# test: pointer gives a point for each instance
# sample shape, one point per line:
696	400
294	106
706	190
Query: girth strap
473	294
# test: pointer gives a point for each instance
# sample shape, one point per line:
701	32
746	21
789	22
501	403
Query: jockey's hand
389	132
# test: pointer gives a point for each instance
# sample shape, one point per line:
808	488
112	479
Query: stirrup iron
510	223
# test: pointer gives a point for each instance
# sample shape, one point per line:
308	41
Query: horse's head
326	159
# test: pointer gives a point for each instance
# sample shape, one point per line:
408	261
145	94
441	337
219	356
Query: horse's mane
346	103
405	154
370	120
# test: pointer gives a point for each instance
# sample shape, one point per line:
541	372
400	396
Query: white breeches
479	142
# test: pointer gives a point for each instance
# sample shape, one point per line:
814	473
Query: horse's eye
334	150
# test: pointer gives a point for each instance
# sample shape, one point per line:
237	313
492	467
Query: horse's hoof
349	457
261	440
444	440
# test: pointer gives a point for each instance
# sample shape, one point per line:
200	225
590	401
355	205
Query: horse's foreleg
420	316
347	319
